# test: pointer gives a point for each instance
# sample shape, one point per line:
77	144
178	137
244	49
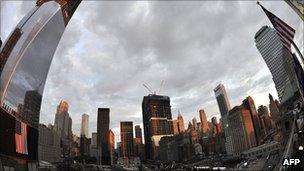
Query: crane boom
148	89
161	86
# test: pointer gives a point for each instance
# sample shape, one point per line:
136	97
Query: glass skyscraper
278	60
222	99
224	107
25	58
103	127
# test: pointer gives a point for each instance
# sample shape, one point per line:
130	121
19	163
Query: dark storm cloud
110	49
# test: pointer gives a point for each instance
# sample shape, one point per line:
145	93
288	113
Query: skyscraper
103	126
63	126
241	129
175	127
126	137
28	51
216	126
199	127
180	123
85	145
93	146
274	111
138	143
26	55
111	142
31	107
248	104
194	122
204	122
265	119
85	125
49	144
157	121
279	61
222	100
224	107
138	132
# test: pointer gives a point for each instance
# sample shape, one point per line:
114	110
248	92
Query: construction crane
148	89
161	86
154	92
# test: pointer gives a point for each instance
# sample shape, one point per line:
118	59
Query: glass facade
103	127
278	60
28	63
26	58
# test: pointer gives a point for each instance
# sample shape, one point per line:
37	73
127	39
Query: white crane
154	92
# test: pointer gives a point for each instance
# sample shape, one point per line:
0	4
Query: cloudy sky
109	49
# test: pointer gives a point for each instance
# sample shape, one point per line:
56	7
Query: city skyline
201	93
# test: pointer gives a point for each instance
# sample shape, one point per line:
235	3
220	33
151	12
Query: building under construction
157	122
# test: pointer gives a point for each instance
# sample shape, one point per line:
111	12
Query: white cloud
110	49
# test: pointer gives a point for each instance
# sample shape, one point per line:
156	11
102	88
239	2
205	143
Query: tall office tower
175	127
248	104
222	100
180	123
103	126
210	125
216	126
70	133
28	51
138	144
85	144
85	125
93	146
224	107
204	122
241	129
126	137
199	127
75	146
63	126
279	61
138	133
265	119
49	144
111	142
194	122
274	111
31	107
157	121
